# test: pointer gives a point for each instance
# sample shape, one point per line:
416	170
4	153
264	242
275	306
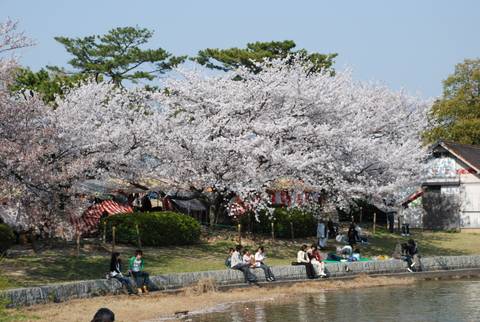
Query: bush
7	238
155	228
304	223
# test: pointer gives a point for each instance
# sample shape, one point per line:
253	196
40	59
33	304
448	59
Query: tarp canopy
138	185
189	205
183	194
108	186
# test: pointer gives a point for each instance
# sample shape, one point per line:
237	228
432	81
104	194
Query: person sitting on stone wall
248	258
302	259
116	272
142	278
260	263
237	263
316	260
411	256
228	260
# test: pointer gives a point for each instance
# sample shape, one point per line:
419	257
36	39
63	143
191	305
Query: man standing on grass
322	234
236	262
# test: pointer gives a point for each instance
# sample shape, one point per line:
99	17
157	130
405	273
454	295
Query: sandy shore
197	298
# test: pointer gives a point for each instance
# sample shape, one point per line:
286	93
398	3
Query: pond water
453	300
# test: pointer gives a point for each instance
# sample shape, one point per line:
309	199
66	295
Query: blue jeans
249	276
125	281
141	279
267	271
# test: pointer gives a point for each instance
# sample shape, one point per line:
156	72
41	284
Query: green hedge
156	228
304	223
7	238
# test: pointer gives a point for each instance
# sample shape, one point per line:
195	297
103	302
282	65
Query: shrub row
304	223
155	228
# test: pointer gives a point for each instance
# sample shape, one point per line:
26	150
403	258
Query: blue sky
410	44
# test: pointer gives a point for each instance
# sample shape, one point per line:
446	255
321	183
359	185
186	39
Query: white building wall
470	213
450	169
470	196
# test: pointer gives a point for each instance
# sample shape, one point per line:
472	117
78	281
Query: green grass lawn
61	263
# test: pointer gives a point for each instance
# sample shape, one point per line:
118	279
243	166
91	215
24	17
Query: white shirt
247	259
235	259
136	265
302	257
259	258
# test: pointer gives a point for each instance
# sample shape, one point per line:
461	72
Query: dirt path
201	297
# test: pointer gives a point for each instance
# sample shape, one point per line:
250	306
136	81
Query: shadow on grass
63	268
429	243
61	265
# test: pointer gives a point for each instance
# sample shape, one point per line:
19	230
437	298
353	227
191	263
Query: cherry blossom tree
214	133
95	130
11	38
348	138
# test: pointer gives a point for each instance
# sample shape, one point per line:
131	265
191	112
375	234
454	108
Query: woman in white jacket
316	260
260	263
302	259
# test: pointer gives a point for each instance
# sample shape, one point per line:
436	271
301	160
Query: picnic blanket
362	259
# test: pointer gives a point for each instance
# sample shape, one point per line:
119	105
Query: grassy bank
60	263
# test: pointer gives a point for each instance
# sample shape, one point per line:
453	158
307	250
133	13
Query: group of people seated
345	254
136	265
353	237
243	260
311	258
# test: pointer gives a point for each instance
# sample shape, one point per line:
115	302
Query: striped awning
90	219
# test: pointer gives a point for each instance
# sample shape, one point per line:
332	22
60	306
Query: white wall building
454	171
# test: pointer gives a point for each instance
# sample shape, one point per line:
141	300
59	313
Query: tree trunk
77	240
104	237
139	240
239	227
113	238
215	209
33	240
212	216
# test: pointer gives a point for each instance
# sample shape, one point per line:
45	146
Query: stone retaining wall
84	289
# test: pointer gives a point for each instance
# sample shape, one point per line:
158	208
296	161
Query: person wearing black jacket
352	235
116	272
410	252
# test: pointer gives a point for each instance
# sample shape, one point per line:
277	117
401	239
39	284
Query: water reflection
260	315
455	300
